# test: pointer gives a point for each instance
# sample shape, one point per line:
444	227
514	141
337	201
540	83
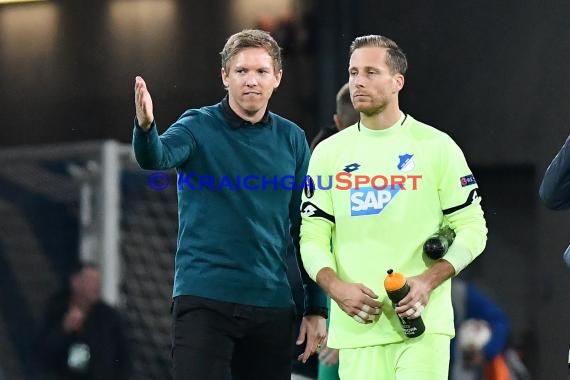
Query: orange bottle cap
394	281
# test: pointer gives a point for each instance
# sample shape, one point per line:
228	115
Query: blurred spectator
480	349
81	337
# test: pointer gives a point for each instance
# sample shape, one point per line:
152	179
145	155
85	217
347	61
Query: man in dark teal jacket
240	173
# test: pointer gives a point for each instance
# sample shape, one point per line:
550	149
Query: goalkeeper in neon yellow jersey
377	190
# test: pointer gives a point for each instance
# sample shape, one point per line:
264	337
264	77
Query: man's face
250	81
372	86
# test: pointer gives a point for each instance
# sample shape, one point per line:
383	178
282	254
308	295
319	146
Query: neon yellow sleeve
460	201
317	217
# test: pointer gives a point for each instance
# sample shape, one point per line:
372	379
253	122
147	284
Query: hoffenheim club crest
406	163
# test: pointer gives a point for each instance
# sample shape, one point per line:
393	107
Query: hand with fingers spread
143	104
314	331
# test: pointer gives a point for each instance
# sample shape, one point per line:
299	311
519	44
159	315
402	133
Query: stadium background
492	74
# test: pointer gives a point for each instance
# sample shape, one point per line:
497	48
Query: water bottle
397	287
436	246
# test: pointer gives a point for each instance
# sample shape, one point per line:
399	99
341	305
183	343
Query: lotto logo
370	201
309	210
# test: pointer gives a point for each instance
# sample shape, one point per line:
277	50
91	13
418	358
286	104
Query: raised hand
143	104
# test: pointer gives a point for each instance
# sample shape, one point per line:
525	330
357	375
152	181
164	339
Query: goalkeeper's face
373	86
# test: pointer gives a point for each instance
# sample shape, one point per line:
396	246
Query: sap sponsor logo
406	163
467	180
371	201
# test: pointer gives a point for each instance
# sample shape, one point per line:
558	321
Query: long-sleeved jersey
372	199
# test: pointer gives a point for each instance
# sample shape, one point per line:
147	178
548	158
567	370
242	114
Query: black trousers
213	339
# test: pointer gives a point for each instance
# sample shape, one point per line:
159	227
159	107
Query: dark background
493	74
